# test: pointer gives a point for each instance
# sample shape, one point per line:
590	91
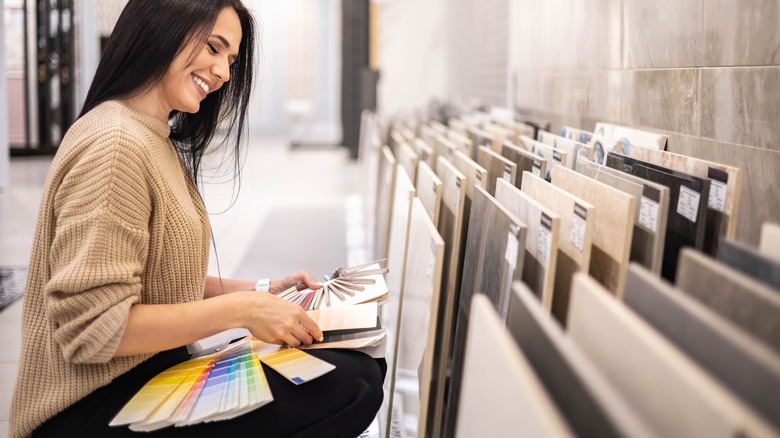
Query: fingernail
321	338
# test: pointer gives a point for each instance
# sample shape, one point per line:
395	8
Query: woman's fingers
306	280
310	326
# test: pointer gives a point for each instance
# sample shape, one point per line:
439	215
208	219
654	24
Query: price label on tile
718	183
688	203
537	169
544	239
577	235
508	174
649	208
512	248
479	179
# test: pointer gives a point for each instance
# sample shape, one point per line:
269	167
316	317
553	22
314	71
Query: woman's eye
212	49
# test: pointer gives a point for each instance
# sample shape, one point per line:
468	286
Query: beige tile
741	105
662	33
738	32
662	100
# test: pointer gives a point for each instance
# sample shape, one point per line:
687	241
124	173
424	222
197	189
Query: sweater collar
155	125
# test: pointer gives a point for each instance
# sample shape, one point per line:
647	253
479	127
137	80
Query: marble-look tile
662	99
741	105
737	32
662	33
759	202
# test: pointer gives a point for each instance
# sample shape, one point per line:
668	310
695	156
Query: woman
117	281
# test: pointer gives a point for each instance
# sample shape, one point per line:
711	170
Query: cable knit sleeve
102	210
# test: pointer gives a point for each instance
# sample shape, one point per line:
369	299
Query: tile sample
589	403
630	137
480	138
414	364
770	240
500	135
492	261
497	167
451	229
573	149
407	158
738	298
429	190
750	262
501	394
403	196
743	364
656	379
442	147
652	211
517	129
613	226
384	197
553	156
525	161
370	158
541	242
724	195
457	125
461	142
576	236
687	206
424	151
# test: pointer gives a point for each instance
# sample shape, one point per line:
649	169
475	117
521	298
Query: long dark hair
147	37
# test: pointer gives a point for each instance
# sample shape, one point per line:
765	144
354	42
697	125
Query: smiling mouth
199	82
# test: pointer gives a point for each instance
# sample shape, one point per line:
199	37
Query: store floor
308	185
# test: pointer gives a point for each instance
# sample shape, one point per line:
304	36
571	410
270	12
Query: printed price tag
648	214
544	239
537	169
578	219
688	203
508	176
718	183
512	248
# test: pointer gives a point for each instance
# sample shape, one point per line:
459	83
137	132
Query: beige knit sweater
120	222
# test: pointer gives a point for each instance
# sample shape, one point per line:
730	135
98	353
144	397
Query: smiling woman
118	282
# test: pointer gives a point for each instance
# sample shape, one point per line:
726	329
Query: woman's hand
301	279
277	321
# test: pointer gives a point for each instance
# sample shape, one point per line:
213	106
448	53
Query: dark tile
750	262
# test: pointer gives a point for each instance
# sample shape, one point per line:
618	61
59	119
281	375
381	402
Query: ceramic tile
613	226
743	364
576	236
739	33
417	328
502	395
541	243
429	190
407	158
450	227
770	241
497	166
525	161
384	197
649	368
590	404
685	223
741	105
743	301
661	100
650	216
750	262
491	261
664	33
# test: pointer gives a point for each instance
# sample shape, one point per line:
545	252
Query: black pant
342	403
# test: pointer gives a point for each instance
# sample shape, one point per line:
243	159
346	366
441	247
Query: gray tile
662	33
662	99
750	262
741	105
745	302
738	32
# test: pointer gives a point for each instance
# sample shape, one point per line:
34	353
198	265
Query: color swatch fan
344	287
216	387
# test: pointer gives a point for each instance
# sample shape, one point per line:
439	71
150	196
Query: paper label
688	203
479	179
537	169
512	248
577	236
557	158
717	199
648	214
508	176
544	239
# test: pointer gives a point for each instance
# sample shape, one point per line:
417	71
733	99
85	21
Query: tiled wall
703	71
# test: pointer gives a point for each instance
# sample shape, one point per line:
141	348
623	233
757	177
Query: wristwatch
263	285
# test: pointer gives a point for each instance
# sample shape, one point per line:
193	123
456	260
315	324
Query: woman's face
202	68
